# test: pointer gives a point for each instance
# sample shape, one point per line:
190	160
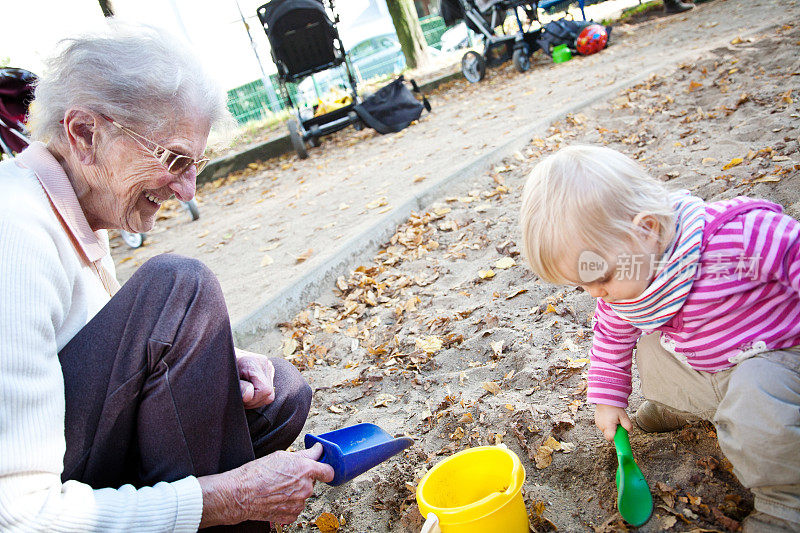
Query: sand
423	342
419	343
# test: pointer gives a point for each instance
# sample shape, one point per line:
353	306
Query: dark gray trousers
152	391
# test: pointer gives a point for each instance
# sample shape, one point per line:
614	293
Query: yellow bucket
475	491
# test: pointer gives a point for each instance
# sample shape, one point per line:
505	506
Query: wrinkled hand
273	488
608	417
256	375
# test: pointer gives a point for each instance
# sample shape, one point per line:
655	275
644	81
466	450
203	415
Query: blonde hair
585	198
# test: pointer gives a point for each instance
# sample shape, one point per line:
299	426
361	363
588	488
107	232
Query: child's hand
608	417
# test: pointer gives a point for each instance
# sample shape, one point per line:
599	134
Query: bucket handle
431	525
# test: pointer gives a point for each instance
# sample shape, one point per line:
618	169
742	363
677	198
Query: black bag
392	108
563	31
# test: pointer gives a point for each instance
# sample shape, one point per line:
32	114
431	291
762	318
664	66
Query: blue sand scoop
355	449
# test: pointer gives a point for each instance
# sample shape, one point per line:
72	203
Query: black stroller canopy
302	37
271	12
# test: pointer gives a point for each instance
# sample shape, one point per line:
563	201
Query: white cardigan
47	294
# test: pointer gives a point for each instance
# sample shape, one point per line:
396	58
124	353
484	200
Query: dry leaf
552	443
486	274
667	521
708	161
543	457
466	418
430	344
550	309
491	386
380	202
735	162
515	293
736	40
338	409
289	346
383	400
767	179
327	523
305	255
504	263
568	447
440	212
266	260
693	86
269	247
497	347
578	363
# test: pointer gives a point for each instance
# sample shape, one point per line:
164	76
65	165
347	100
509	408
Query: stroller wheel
473	65
521	60
357	124
134	240
314	141
297	138
191	206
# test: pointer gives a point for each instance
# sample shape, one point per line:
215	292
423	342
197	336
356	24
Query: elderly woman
129	408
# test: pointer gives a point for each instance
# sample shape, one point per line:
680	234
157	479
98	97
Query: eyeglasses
175	163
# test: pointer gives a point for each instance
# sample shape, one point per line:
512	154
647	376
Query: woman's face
128	184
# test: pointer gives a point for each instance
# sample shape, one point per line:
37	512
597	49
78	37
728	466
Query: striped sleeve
772	244
609	380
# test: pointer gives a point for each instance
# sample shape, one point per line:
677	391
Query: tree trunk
107	7
409	32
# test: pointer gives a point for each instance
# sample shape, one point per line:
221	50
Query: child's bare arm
608	417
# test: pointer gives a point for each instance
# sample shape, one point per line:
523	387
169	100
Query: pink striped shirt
745	299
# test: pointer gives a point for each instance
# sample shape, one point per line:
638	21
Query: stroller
483	16
16	94
304	41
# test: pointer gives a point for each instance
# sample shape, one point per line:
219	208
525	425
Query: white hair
585	198
139	75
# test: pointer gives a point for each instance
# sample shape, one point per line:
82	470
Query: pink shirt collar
61	194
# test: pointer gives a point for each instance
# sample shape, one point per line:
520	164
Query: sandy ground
271	224
425	342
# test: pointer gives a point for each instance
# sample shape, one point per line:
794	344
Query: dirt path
279	220
425	342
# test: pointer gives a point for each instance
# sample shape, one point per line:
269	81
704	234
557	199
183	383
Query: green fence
253	101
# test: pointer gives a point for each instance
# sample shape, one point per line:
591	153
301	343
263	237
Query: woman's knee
180	275
173	266
291	386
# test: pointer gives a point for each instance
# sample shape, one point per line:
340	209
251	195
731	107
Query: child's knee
758	422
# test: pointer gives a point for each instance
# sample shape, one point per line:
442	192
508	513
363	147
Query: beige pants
755	407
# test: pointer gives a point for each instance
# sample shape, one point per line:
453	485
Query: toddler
708	294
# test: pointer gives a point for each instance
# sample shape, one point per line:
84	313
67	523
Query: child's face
626	275
625	279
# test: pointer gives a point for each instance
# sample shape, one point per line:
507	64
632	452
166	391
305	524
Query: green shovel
634	500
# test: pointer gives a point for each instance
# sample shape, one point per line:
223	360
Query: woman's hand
608	417
273	488
256	375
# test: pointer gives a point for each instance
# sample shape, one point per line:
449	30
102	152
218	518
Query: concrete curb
282	306
221	167
362	246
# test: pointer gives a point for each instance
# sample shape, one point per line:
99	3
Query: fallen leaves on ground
304	256
327	523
